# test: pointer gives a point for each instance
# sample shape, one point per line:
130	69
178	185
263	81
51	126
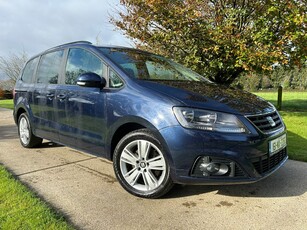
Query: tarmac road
83	187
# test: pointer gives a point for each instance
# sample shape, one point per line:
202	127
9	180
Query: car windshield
146	66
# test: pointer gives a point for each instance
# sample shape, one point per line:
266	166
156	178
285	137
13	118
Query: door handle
50	95
61	96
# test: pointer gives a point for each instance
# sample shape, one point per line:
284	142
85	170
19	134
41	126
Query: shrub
1	93
248	81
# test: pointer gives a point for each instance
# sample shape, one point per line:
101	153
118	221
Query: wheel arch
18	112
24	108
21	106
129	126
122	131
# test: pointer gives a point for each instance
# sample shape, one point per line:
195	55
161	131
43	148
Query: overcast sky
36	25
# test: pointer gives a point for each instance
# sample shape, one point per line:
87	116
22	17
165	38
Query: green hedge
295	79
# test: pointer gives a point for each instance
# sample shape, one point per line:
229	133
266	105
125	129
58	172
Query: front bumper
247	153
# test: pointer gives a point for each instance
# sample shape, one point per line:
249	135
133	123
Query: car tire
26	136
141	166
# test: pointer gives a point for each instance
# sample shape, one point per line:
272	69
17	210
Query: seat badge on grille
271	121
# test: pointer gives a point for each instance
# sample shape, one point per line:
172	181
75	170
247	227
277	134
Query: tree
219	38
12	65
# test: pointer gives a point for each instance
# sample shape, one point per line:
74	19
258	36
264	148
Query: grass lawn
8	104
294	113
20	209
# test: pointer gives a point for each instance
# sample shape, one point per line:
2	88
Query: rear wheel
141	166
26	137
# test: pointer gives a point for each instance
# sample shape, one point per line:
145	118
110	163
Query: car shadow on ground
49	144
8	132
288	181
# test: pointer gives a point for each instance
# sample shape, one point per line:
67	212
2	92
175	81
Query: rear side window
49	67
29	71
80	61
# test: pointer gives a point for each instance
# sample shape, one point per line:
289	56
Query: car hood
210	96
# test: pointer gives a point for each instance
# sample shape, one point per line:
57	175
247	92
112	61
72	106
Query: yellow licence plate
277	144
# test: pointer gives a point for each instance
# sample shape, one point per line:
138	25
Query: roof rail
85	42
69	43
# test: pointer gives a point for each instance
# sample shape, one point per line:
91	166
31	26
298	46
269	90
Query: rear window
49	67
29	71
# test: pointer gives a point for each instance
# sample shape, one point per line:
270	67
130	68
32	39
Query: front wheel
26	137
140	165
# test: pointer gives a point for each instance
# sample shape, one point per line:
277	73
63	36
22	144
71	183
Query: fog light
212	168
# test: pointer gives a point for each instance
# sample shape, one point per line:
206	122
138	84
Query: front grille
264	164
267	123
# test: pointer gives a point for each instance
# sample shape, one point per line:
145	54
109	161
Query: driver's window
80	61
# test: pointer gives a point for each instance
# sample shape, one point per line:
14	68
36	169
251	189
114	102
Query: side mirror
91	80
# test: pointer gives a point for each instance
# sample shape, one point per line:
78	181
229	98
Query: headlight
208	120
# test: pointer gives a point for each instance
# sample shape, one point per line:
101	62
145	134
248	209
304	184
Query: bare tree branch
12	65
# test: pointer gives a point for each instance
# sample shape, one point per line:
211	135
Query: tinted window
49	68
80	61
29	71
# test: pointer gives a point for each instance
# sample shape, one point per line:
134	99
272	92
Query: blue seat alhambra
159	122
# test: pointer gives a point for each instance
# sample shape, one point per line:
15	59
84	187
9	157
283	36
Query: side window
114	80
29	71
80	61
49	67
130	69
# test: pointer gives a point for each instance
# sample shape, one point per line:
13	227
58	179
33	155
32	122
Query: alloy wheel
142	165
24	131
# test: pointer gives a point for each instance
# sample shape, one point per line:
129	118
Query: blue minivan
159	122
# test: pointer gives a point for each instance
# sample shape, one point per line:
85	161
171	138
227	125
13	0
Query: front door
82	109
